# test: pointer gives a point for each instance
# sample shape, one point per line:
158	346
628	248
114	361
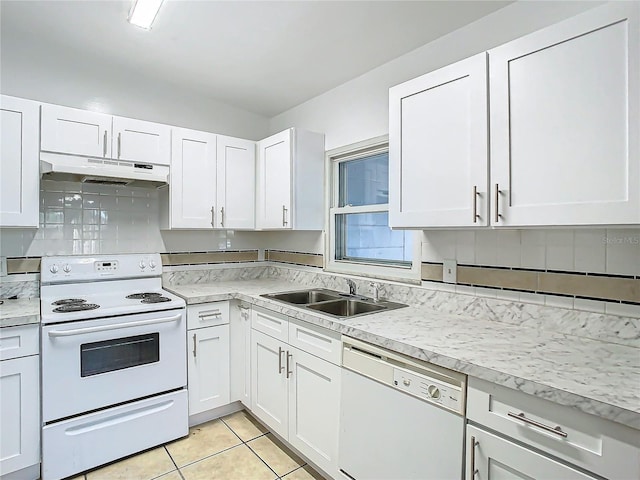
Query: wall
29	73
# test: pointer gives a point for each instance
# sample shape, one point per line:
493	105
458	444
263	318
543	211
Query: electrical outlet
3	266
449	271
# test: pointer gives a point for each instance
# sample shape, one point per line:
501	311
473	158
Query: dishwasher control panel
428	388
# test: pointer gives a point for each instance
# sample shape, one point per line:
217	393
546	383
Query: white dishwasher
400	419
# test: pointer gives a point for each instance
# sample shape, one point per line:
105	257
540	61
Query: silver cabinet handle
557	429
104	144
213	217
475	204
284	215
472	456
194	345
222	216
280	352
119	143
289	372
212	313
497	201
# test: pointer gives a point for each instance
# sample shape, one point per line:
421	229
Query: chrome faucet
376	291
352	286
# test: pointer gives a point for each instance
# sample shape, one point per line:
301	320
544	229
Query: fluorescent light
144	12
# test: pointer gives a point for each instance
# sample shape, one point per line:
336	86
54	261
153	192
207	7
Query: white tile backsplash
613	251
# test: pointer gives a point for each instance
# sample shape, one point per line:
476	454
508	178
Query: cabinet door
193	179
273	206
314	408
19	160
495	458
141	141
564	118
438	139
240	329
76	132
269	383
19	413
208	368
236	164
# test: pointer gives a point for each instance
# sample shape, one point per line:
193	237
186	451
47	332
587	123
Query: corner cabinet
563	136
20	402
208	356
438	158
295	384
212	182
19	162
290	190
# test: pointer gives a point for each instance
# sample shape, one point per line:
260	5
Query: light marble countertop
595	377
19	312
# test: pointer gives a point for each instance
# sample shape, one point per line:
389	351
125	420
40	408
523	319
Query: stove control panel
82	268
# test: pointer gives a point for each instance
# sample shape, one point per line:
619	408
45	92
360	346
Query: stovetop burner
76	307
154	299
144	295
69	301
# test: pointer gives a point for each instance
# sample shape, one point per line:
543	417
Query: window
360	240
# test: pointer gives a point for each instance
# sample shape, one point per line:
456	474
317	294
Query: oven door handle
115	326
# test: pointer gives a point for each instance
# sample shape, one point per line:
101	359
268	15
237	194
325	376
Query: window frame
334	157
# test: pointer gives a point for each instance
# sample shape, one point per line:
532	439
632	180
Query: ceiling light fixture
144	12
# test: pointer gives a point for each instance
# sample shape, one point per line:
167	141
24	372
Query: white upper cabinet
236	167
565	122
438	157
563	136
192	179
141	141
80	132
74	131
19	174
290	190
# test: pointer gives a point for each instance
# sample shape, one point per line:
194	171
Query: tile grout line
262	460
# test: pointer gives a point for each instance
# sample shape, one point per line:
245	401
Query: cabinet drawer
598	445
273	324
19	341
207	315
315	340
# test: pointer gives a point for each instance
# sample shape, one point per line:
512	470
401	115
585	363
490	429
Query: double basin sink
335	304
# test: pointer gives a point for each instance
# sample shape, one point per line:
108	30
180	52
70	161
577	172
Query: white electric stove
114	371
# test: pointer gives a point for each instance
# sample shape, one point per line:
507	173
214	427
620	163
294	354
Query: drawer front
271	323
207	315
19	341
315	340
601	446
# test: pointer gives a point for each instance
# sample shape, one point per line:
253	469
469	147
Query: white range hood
54	166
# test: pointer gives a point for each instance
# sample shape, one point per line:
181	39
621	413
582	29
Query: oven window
119	353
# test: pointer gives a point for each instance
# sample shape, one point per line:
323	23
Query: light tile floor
235	447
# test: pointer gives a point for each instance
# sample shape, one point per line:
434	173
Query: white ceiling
261	56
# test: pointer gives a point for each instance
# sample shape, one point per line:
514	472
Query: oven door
93	364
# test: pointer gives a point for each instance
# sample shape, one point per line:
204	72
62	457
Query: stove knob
152	264
53	269
142	265
66	268
434	391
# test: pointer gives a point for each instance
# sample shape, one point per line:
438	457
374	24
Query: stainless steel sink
347	308
304	296
335	304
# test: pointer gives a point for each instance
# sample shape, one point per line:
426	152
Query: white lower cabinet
490	457
536	438
297	395
20	404
208	359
